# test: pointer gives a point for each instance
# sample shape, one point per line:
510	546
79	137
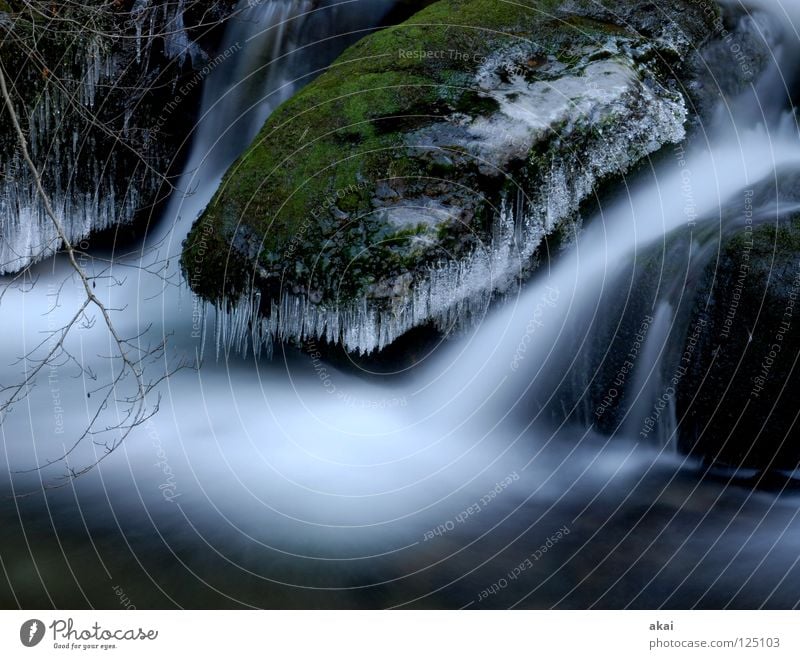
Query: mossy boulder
736	403
424	171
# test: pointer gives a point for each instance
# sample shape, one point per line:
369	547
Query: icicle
139	13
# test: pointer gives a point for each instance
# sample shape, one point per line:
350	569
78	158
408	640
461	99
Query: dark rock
736	405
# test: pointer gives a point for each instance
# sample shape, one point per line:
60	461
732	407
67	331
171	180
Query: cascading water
647	384
292	483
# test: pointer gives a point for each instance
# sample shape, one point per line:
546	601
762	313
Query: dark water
642	531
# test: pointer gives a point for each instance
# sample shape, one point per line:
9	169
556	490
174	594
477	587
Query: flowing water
470	481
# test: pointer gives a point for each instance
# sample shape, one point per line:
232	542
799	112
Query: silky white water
289	471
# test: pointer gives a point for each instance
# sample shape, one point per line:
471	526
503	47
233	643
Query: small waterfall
274	48
270	50
263	41
651	415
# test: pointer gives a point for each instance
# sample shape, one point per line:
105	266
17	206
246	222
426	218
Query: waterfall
264	43
652	404
271	48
